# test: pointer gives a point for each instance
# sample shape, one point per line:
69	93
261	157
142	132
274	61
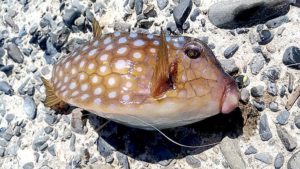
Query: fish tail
51	98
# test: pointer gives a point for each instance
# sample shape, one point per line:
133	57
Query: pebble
2	151
287	140
264	129
229	66
70	16
138	4
294	161
297	121
291	56
39	141
2	52
78	123
181	12
196	12
250	150
48	129
276	22
272	89
9	21
257	64
291	83
265	37
6	88
282	91
52	150
28	165
162	4
17	131
245	95
259	105
274	106
231	50
122	160
225	14
72	142
272	73
50	118
283	117
3	143
257	91
230	150
29	107
279	160
9	117
12	150
242	81
8	134
264	157
7	69
193	161
14	53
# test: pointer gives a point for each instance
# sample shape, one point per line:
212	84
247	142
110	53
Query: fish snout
230	98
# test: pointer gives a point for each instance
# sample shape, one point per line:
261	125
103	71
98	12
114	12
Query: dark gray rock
264	129
294	161
3	142
291	57
274	106
2	151
52	150
181	12
162	4
257	91
122	27
282	92
28	165
10	22
9	117
2	52
72	142
138	4
264	157
48	129
193	161
250	150
287	140
272	73
230	51
242	30
279	160
78	123
122	160
291	82
283	117
229	66
39	141
17	131
242	81
297	121
29	107
272	89
257	63
265	37
7	69
259	105
12	150
14	53
8	134
6	88
276	22
226	14
70	16
50	118
245	95
196	12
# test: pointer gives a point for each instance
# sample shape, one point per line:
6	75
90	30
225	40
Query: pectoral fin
51	98
97	30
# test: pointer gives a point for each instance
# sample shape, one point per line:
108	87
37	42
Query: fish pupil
193	52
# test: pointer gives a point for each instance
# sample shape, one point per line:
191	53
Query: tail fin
51	98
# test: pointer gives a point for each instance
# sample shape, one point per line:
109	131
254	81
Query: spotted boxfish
143	79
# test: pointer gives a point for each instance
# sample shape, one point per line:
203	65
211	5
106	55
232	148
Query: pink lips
230	99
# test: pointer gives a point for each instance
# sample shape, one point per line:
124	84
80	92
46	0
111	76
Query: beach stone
2	52
3	142
245	95
225	14
50	118
283	117
6	88
9	21
70	16
52	150
193	161
9	117
292	56
2	151
287	140
196	12
162	4
276	22
242	81
181	12
294	161
272	89
274	106
259	105
297	121
138	4
230	150
279	160
257	91
229	66
250	150
78	123
272	73
28	165
29	107
257	63
122	160
265	37
14	53
264	129
39	141
264	157
48	129
231	50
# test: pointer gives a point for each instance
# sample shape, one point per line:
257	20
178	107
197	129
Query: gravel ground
258	50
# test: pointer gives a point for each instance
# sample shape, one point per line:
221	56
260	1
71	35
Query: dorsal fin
51	99
161	76
97	30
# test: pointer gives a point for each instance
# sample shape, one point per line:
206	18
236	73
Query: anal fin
51	98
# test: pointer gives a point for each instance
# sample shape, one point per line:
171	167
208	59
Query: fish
143	80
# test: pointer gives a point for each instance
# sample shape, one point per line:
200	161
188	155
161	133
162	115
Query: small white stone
96	43
125	97
150	36
168	38
156	42
85	48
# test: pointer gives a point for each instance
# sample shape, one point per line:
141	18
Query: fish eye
193	50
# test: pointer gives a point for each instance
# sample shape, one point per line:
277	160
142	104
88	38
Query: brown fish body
114	77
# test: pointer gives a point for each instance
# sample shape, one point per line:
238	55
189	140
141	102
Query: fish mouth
230	99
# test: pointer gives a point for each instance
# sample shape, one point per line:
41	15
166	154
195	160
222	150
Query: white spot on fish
168	38
82	63
138	42
97	101
84	96
98	91
128	84
122	50
111	81
85	48
125	97
72	85
137	55
104	57
152	50
109	47
91	66
112	94
120	64
82	76
103	69
92	52
96	43
66	79
75	93
107	41
133	35
73	71
177	45
150	36
84	87
67	65
95	79
156	42
122	40
117	33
